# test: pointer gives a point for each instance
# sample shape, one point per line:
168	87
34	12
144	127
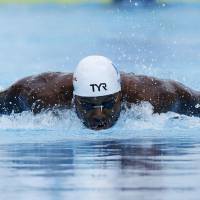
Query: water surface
145	155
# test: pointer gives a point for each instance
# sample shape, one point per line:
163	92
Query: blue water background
144	156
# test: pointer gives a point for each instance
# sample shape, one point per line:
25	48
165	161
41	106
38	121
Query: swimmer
97	90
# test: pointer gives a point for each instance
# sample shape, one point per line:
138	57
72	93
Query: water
145	155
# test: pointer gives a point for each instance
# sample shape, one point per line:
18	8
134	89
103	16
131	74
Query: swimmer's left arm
188	100
164	95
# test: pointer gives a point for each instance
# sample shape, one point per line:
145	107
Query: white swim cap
96	76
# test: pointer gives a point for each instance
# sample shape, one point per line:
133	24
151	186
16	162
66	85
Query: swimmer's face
98	112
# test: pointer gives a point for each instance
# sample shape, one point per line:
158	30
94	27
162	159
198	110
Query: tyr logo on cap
101	85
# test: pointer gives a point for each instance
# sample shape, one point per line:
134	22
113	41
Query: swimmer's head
97	92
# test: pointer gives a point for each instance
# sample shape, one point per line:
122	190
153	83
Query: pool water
144	156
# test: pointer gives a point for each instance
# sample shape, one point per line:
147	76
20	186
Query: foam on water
138	117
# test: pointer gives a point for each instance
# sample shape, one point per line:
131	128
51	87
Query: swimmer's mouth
97	126
101	125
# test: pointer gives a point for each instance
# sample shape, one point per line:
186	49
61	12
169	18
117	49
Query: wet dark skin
54	90
98	112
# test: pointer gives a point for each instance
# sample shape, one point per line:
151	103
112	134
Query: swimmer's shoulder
127	77
44	78
138	83
131	77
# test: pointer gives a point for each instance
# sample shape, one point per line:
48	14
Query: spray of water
138	117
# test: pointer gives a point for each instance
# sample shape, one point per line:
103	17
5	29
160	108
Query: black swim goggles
88	106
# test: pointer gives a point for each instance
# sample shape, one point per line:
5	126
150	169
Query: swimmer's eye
109	104
105	105
87	106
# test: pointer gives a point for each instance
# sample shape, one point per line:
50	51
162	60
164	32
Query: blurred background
156	37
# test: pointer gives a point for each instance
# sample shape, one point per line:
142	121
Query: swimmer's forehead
98	99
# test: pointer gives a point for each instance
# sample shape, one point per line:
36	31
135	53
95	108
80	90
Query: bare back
55	90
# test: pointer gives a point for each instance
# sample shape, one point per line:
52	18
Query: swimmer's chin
99	127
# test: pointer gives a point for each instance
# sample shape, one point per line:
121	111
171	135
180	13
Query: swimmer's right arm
8	103
37	93
4	105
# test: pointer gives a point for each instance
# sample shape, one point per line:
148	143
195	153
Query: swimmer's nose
99	119
99	112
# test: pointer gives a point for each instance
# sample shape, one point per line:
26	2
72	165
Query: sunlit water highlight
145	155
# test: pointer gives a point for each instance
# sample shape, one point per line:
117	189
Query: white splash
48	120
138	117
141	117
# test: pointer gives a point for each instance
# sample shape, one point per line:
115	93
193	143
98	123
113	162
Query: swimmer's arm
4	106
9	104
164	95
187	101
37	93
57	93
